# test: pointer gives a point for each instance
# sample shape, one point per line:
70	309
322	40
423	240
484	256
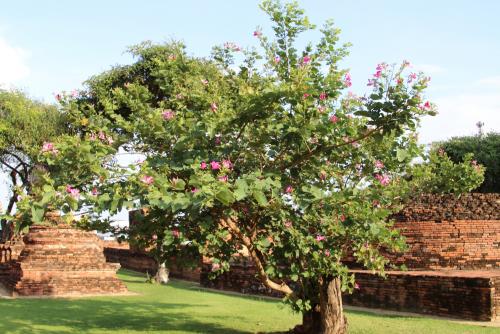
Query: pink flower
473	162
168	114
334	119
231	46
384	179
288	224
215	165
74	93
406	63
215	266
356	286
371	82
320	237
172	57
49	147
277	59
217	140
321	109
94	191
412	77
257	33
214	106
306	60
110	140
399	80
347	80
377	74
306	95
204	81
227	164
342	218
376	203
101	135
154	237
146	179
195	190
379	164
176	233
427	106
75	193
58	97
92	137
327	252
322	96
223	178
203	165
289	189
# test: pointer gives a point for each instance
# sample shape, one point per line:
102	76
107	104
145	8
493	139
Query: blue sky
49	46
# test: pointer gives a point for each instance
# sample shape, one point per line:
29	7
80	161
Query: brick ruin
58	261
453	262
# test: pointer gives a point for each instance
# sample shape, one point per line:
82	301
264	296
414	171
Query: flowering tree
264	150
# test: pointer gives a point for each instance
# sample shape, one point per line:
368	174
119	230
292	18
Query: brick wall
460	294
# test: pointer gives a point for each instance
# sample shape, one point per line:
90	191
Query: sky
50	46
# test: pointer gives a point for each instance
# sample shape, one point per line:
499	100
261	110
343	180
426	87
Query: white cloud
13	65
428	68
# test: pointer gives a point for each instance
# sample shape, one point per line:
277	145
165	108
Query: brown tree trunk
333	320
162	273
311	322
7	227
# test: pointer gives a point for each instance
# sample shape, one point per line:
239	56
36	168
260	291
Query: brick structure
137	260
453	261
61	261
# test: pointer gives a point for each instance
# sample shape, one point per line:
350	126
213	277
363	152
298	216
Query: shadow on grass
82	315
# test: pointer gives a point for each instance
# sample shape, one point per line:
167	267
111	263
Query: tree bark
162	273
7	228
333	320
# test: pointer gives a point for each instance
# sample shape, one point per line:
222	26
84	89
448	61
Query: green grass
181	307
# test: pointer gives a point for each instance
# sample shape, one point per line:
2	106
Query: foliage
486	150
439	174
25	125
257	149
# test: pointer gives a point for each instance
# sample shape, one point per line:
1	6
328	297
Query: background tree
25	125
486	151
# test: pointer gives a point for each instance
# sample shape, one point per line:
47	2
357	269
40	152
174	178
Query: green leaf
225	196
401	154
260	197
37	213
241	189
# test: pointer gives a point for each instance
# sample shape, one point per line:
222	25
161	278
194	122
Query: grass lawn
181	307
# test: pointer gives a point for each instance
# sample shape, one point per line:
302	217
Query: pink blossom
195	190
227	164
203	165
101	135
288	224
306	95
215	266
49	147
257	33
215	165
377	74
110	140
58	97
172	57
356	286
277	59
92	137
231	46
74	93
342	218
217	140
347	80
154	237
176	233
223	178
204	81
427	105
168	114
147	179
384	179
406	63
323	96
320	237
412	77
399	80
214	106
94	191
327	252
371	82
289	189
473	162
334	119
306	60
321	109
379	164
376	203
75	193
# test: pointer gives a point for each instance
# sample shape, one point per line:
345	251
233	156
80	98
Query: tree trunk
311	322
161	276
7	227
333	320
